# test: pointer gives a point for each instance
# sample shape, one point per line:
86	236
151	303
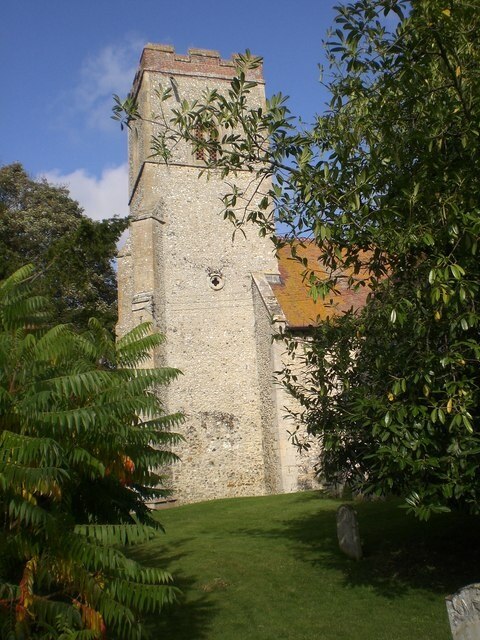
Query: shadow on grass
400	552
189	618
191	615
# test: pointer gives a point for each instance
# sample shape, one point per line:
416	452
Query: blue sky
61	61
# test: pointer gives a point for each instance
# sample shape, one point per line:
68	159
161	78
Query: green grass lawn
269	569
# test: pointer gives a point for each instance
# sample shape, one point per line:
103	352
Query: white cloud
108	71
101	197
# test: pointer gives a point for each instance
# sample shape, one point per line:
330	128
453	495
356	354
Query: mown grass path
269	569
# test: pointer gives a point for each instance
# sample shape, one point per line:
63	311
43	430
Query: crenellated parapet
204	63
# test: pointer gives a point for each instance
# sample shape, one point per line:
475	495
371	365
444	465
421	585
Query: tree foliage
82	433
385	181
402	140
41	224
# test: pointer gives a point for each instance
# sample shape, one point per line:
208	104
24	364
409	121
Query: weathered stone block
348	533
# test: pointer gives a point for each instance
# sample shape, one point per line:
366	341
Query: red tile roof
292	293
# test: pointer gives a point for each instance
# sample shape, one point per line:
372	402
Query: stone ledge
262	283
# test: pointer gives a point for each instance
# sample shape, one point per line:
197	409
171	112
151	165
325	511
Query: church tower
182	270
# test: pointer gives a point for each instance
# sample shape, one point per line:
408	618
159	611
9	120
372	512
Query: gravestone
347	532
463	609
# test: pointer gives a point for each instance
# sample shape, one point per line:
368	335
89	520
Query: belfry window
205	136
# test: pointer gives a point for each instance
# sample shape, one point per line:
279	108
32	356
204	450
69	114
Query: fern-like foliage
81	434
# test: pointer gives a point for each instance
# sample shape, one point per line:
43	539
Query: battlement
198	62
